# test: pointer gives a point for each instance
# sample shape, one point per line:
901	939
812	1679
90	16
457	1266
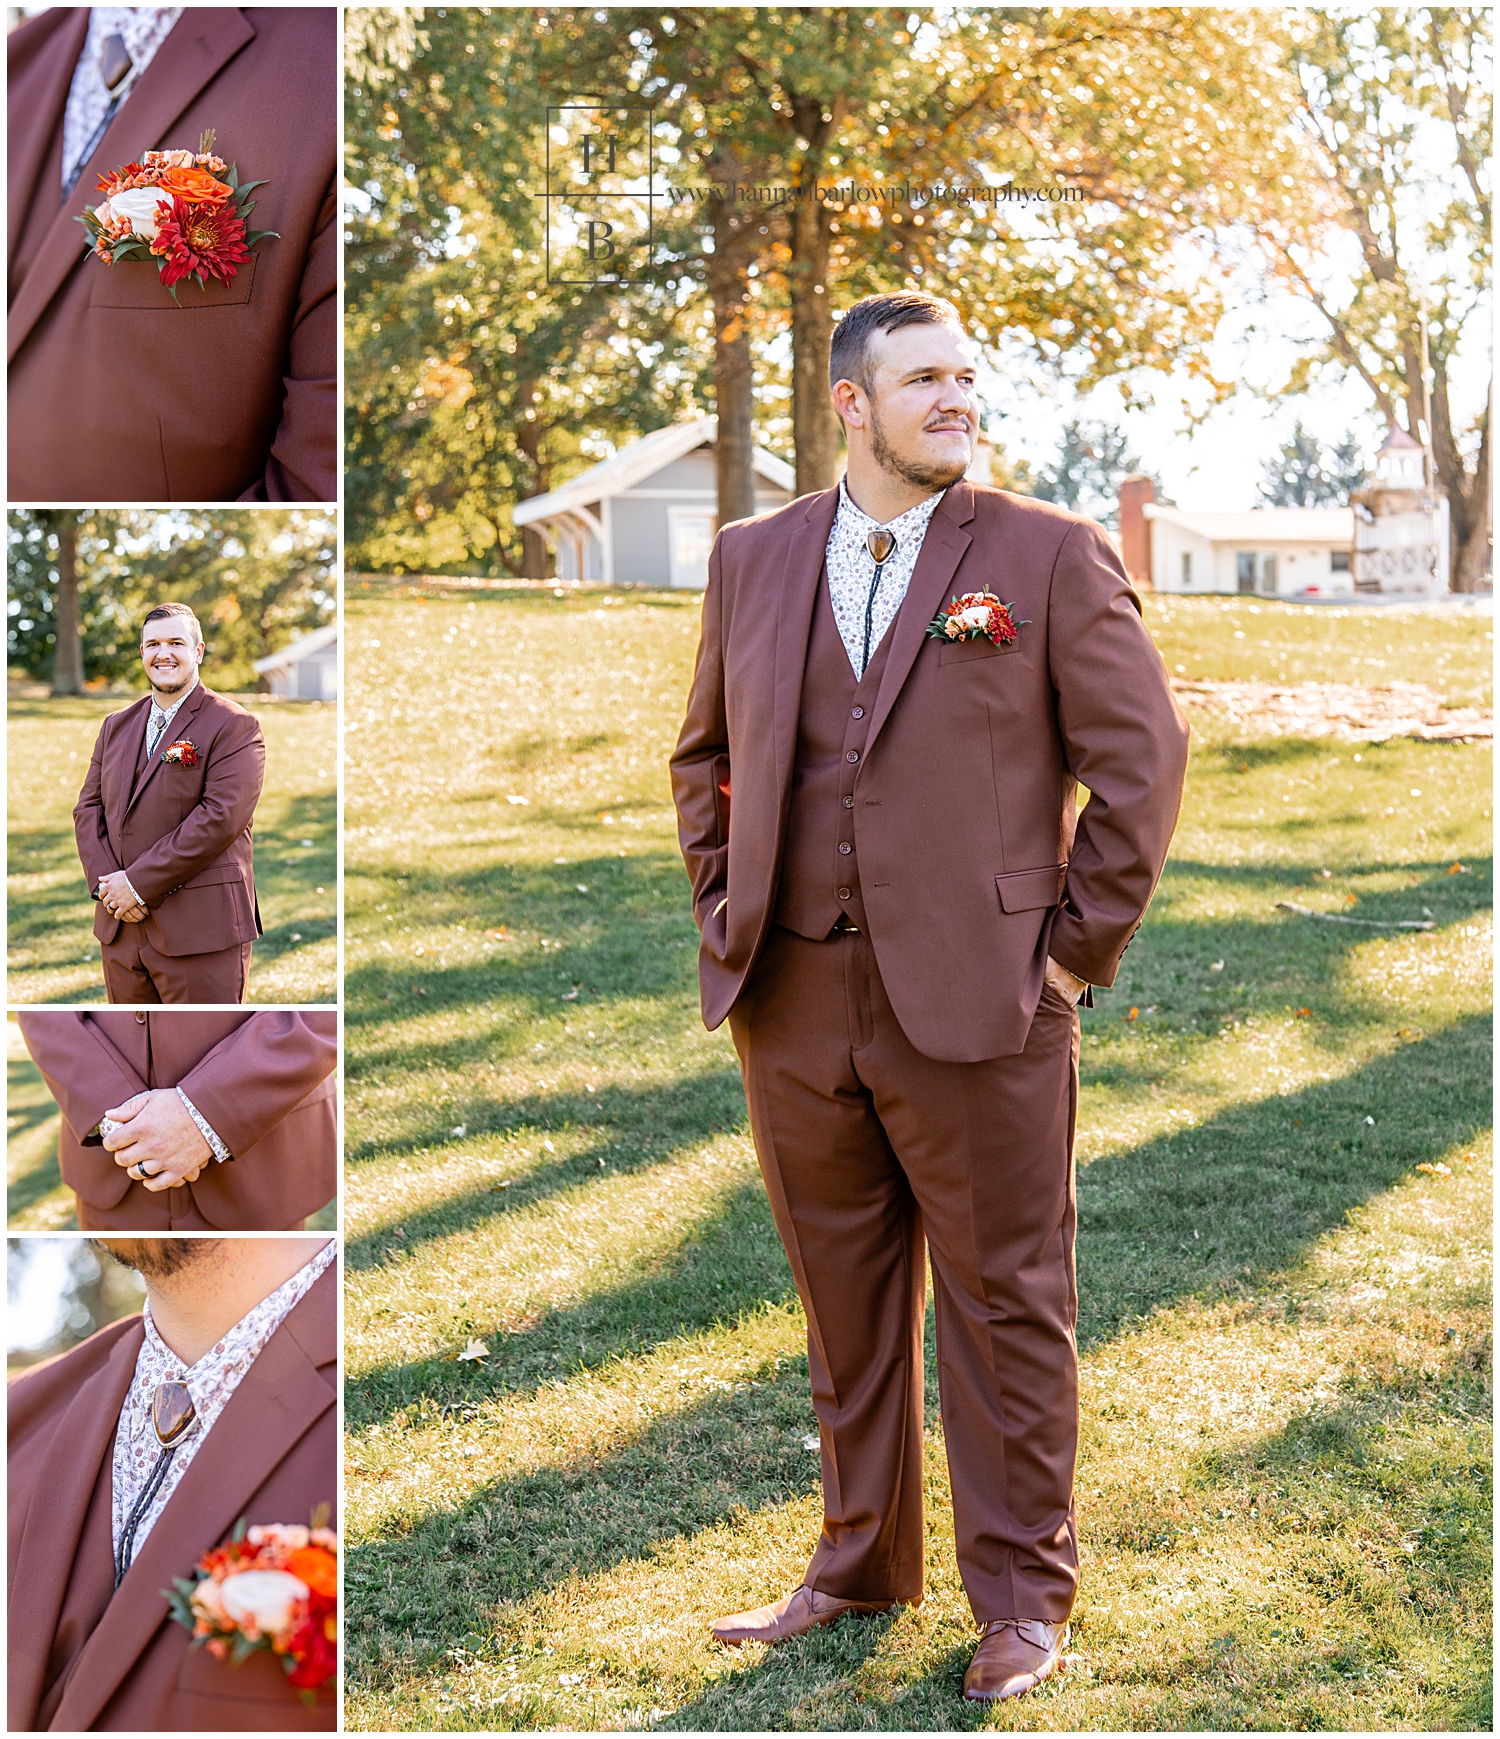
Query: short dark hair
849	353
172	610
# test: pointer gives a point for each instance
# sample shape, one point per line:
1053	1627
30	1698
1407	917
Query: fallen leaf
518	800
1457	869
570	996
1133	1013
476	1349
812	1441
1302	1013
460	1130
499	935
1436	1170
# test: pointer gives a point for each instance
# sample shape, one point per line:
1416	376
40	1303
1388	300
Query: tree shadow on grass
1246	1181
28	1106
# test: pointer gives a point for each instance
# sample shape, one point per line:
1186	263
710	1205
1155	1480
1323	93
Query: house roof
640	460
297	650
1398	440
1326	525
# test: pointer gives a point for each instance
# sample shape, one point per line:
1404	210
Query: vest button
843	893
845	848
140	1020
859	712
852	756
848	803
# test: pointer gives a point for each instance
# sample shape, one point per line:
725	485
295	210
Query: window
1255	571
1339	561
1187	567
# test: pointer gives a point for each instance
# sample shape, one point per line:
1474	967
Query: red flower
200	240
313	1646
183	754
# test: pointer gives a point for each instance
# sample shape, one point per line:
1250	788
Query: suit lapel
35	156
54	1523
943	549
280	1398
175	730
118	773
799	594
201	42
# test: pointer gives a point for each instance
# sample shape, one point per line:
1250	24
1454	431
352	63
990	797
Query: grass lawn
37	1200
1283	1234
53	954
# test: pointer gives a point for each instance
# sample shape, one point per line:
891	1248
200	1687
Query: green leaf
250	186
123	250
252	236
242	1648
234	174
172	292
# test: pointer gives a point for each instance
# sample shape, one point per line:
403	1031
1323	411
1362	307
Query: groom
163	824
898	922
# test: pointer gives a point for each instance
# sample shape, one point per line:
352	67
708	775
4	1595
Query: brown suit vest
819	867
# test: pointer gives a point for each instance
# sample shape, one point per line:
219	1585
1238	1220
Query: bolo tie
881	543
173	1416
114	68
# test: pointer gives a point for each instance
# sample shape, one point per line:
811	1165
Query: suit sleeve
700	762
231	790
303	462
1124	739
266	1067
84	1072
94	850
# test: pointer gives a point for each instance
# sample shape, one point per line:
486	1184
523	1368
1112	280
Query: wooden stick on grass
1364	923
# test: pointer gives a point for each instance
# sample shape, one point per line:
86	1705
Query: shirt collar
914	519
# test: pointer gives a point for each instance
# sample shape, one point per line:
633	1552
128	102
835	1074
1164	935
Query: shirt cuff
221	1152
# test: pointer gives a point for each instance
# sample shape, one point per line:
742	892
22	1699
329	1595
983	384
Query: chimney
1135	529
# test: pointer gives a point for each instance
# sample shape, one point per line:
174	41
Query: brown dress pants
135	972
866	1146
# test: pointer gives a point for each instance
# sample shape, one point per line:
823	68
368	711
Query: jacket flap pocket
215	875
1024	890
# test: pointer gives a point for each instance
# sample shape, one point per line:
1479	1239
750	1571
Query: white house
1273	552
1401	525
647	516
307	668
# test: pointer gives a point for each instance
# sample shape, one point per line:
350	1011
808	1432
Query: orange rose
194	186
317	1568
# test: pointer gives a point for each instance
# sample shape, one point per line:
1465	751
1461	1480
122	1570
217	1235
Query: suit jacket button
845	848
140	1020
859	712
848	803
852	756
843	893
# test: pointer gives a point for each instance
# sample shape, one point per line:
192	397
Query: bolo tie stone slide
173	1417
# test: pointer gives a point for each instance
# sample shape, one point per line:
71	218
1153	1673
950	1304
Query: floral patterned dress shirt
851	568
144	29
210	1382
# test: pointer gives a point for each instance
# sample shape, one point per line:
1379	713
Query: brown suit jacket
263	1081
117	393
182	834
973	861
83	1658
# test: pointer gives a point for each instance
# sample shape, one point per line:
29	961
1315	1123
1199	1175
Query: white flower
264	1598
976	616
137	205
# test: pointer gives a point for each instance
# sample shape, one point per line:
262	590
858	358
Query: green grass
37	1199
53	954
1284	1475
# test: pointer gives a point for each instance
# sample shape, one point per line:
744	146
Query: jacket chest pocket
968	651
134	284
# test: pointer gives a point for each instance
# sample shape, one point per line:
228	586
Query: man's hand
118	898
158	1143
1068	985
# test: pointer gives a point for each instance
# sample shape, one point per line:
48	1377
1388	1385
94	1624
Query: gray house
647	516
305	669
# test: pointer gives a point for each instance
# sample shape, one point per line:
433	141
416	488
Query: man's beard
157	1258
159	687
924	475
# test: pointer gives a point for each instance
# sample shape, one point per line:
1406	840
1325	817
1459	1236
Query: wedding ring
139	1168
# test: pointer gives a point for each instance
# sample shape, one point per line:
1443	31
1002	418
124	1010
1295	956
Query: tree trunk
1468	492
815	423
67	656
734	384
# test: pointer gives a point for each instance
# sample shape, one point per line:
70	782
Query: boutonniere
976	616
270	1587
185	208
181	754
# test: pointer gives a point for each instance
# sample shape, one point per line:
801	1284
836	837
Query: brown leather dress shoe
1014	1655
801	1611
